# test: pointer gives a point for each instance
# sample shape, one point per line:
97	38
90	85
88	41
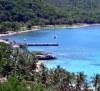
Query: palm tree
96	82
80	81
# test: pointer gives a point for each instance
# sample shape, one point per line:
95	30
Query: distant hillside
77	4
17	13
14	13
27	10
80	10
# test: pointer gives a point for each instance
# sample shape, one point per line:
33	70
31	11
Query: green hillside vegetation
18	66
17	13
86	11
26	13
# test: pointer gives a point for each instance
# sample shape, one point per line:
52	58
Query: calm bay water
78	50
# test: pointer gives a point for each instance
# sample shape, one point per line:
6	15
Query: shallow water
78	50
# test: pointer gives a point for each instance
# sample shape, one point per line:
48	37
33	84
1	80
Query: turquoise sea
78	50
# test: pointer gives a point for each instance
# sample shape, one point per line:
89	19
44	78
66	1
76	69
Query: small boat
45	56
25	39
55	37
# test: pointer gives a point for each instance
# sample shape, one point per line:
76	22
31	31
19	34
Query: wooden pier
39	44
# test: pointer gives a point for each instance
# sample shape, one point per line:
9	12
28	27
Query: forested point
15	14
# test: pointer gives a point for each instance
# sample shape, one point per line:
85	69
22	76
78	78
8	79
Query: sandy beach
14	33
36	28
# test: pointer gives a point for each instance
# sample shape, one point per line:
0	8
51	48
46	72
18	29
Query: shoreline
14	33
36	28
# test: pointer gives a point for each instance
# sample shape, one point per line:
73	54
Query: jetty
14	43
38	44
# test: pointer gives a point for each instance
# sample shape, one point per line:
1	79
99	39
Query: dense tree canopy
14	13
87	11
18	13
